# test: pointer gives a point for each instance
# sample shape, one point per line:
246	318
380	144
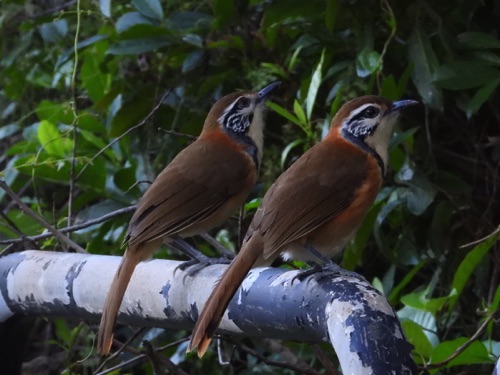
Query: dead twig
28	211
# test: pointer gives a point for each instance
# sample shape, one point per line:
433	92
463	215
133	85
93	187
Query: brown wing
190	189
312	191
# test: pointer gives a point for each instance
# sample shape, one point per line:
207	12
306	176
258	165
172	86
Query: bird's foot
328	270
201	261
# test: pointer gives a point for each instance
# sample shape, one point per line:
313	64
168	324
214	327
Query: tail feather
219	299
114	299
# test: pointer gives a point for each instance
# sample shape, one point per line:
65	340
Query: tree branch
344	310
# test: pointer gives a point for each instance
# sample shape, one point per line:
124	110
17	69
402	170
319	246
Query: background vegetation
84	116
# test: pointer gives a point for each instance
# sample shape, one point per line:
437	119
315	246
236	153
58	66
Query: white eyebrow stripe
358	110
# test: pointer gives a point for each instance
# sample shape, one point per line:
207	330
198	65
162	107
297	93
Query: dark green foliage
75	76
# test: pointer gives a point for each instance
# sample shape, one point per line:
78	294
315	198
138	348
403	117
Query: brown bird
202	186
316	205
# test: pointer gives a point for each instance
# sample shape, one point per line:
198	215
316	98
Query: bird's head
368	122
241	114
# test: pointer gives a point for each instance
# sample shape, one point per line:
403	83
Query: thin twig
121	348
298	369
495	232
159	360
139	358
73	228
179	134
72	180
14	228
217	245
28	211
325	360
149	115
390	12
465	345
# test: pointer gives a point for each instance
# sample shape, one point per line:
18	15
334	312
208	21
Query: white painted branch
346	311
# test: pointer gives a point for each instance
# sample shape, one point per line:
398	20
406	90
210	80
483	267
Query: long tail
216	305
114	299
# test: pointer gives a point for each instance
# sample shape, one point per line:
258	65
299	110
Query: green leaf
474	353
468	265
128	20
367	63
130	114
299	112
478	40
314	87
332	11
283	112
281	11
192	60
424	60
94	81
406	279
55	112
253	204
224	11
289	147
54	32
416	336
421	302
138	46
52	140
481	96
421	193
464	75
149	8
105	8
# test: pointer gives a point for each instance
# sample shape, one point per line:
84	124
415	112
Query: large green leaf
138	45
424	61
478	40
464	75
474	353
468	265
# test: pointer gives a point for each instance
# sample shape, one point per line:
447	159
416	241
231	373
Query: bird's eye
243	102
371	112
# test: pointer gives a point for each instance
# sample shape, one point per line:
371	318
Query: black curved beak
266	91
399	105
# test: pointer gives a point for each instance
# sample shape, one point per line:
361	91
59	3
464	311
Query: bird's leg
198	260
325	267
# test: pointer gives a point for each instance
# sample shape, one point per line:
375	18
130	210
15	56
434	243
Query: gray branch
348	312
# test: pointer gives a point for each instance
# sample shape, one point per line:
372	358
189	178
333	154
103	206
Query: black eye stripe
369	112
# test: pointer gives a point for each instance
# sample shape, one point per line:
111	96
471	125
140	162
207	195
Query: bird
201	187
314	208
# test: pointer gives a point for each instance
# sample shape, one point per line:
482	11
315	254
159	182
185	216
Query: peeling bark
346	311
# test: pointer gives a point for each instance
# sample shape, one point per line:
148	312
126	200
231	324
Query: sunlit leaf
52	140
283	112
314	87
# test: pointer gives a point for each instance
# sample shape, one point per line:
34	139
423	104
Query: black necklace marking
247	143
360	142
